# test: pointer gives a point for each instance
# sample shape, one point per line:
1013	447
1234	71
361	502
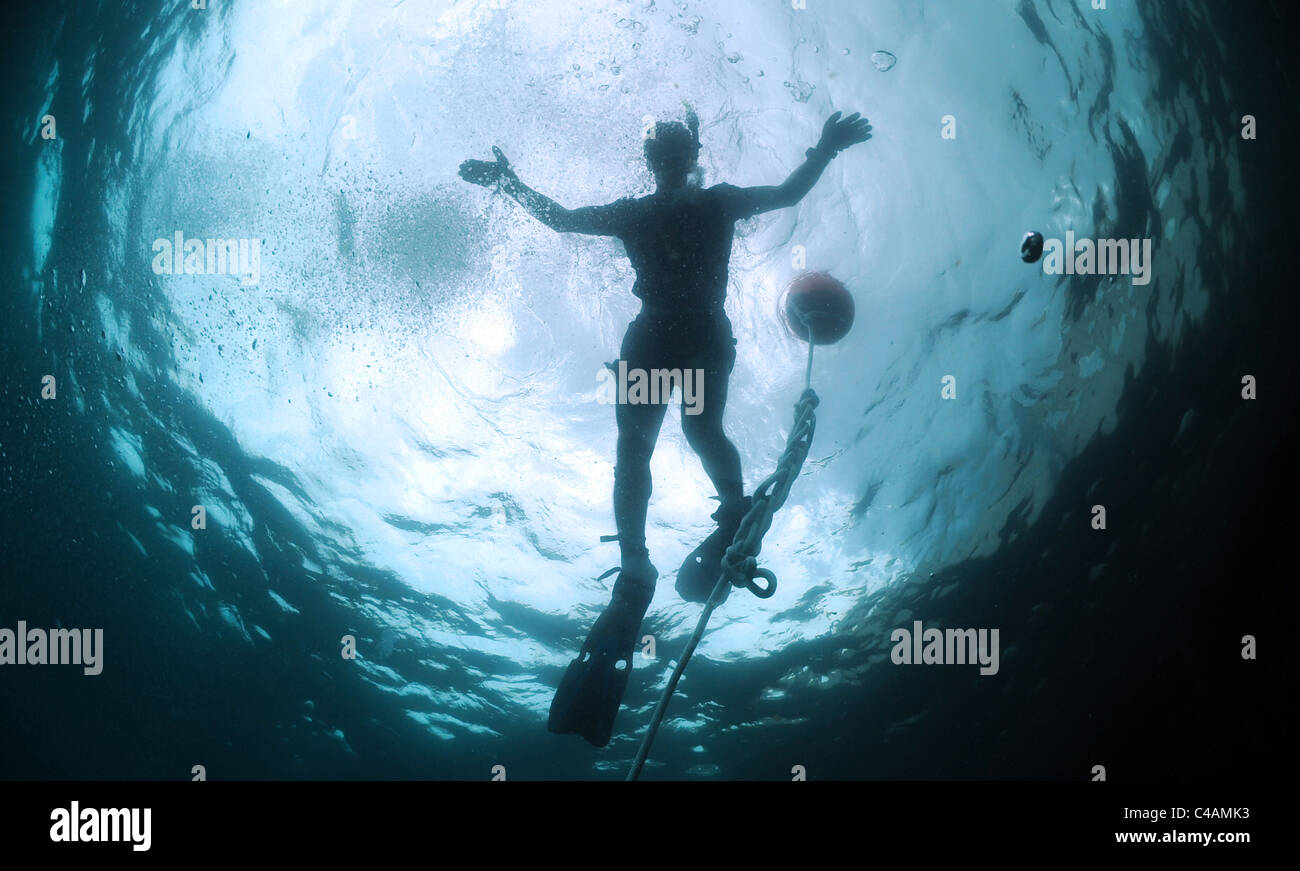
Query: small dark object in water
1032	247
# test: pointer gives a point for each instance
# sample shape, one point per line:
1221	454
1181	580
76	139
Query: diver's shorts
680	340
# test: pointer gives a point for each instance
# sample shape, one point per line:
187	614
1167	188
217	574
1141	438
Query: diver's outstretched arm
593	220
837	135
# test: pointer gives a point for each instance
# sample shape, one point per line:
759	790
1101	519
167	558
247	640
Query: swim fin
589	695
701	570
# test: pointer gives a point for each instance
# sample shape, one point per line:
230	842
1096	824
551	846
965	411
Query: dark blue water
393	430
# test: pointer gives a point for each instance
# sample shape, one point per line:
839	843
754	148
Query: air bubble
801	90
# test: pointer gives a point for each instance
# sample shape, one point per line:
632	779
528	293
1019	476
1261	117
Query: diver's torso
679	246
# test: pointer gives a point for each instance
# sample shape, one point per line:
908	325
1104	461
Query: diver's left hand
838	134
486	172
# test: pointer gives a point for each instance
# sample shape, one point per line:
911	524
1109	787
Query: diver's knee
631	462
700	431
634	448
632	477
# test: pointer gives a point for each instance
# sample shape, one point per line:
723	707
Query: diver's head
672	150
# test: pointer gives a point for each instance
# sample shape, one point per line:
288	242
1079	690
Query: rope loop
766	591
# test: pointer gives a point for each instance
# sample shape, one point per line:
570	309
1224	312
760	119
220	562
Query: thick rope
740	563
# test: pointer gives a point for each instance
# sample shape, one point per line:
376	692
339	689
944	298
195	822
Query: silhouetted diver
679	242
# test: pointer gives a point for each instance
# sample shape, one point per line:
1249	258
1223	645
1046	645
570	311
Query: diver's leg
701	570
638	430
589	695
702	423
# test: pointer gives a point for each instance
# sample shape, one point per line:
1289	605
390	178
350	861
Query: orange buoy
818	308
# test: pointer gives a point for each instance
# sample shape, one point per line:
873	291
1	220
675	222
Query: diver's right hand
838	134
486	172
